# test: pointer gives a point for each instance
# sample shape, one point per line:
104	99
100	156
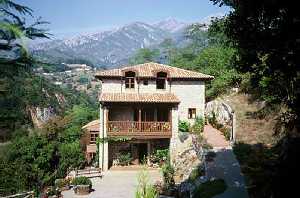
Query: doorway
142	152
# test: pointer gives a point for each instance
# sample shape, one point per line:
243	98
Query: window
192	113
129	80
94	136
145	82
161	80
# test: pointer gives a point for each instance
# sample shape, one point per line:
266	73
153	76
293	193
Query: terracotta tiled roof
148	70
92	126
142	97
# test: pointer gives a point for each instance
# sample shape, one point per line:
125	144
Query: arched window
161	80
129	80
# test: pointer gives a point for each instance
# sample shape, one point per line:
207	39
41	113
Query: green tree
168	49
218	61
15	62
266	35
210	53
144	55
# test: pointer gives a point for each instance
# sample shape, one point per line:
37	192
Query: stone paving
214	137
115	184
224	165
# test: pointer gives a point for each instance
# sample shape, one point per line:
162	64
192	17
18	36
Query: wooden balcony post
140	119
170	118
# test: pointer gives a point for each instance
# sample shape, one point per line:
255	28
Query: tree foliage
45	154
266	36
145	55
210	53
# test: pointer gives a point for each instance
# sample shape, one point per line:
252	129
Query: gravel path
115	184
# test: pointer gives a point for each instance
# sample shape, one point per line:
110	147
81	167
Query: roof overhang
139	97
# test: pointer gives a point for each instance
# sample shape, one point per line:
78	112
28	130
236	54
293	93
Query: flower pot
82	189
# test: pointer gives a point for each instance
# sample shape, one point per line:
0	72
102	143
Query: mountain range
112	47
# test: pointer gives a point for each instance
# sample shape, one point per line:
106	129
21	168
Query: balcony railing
135	128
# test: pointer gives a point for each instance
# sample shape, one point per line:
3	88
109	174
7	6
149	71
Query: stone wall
187	154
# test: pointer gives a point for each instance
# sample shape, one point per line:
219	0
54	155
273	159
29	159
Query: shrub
82	181
183	126
168	175
210	188
53	191
212	119
125	159
196	172
145	190
60	183
160	155
226	132
198	125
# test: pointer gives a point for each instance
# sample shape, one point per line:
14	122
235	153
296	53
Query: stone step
91	175
87	172
93	172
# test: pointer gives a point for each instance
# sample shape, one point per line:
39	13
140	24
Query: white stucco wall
111	86
191	95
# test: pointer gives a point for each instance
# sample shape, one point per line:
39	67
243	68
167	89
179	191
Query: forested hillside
208	51
34	156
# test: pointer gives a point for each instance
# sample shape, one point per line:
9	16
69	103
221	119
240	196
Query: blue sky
68	17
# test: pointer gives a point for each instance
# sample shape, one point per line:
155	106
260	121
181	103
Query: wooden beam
140	118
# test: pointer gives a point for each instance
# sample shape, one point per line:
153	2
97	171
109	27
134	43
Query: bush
71	156
82	181
61	183
210	188
145	190
160	155
196	172
226	132
198	125
184	126
125	159
212	119
168	175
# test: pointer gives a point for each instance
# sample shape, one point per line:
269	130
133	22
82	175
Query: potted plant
82	185
125	159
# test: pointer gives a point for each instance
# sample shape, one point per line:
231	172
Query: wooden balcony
142	130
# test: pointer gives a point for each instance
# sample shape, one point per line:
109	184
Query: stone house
144	104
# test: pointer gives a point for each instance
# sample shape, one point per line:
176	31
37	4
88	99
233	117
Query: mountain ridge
113	47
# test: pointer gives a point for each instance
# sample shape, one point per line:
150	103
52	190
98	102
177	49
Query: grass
210	188
251	129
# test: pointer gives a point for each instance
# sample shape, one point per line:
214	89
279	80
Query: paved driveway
115	184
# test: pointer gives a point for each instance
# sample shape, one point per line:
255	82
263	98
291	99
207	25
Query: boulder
222	111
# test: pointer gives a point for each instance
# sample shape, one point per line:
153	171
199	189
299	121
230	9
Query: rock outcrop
41	115
222	111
